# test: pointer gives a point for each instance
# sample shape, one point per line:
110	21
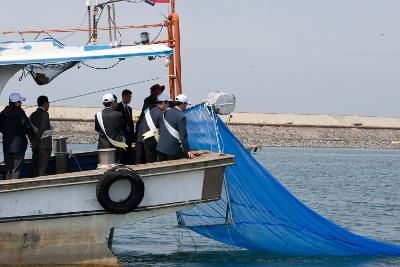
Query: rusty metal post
171	59
172	6
177	38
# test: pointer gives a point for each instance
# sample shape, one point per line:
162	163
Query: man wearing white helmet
109	123
15	126
173	143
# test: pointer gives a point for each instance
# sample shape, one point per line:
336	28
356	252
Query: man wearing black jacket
128	127
109	124
148	131
41	143
150	101
15	126
173	143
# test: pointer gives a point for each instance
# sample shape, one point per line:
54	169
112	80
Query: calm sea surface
356	188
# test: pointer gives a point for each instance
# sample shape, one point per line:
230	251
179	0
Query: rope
102	90
107	89
85	30
103	68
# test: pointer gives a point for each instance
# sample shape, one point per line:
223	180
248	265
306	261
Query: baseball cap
157	86
108	97
163	98
182	98
16	97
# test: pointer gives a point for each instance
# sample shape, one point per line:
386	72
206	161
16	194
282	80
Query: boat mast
174	41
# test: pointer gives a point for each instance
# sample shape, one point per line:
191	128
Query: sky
337	57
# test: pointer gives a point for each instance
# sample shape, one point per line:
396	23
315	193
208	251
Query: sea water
356	188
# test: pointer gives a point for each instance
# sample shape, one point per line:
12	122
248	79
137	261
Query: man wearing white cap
15	126
173	143
109	123
148	131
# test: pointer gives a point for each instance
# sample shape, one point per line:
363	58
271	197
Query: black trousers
126	155
13	163
40	159
164	157
146	152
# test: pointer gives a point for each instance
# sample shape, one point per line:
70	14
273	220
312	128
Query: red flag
161	1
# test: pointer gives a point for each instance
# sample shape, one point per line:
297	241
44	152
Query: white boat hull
57	219
69	240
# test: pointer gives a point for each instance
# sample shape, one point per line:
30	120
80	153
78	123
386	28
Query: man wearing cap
150	101
41	143
109	124
173	143
128	129
148	131
15	126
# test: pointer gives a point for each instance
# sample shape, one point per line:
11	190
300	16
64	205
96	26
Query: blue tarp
256	212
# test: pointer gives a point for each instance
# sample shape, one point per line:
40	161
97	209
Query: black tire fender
110	177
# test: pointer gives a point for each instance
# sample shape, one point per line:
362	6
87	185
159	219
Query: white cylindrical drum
222	103
59	145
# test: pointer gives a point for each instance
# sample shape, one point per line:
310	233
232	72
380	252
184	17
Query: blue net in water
256	212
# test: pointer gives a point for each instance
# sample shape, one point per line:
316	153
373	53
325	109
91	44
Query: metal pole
109	25
89	19
94	35
172	6
177	36
115	25
171	60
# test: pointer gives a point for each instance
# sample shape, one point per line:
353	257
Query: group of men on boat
16	126
160	133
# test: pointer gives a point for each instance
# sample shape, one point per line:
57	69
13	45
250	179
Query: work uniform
146	148
113	124
169	147
41	143
15	125
128	131
149	102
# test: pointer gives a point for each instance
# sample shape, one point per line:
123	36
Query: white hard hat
108	97
16	97
182	98
163	98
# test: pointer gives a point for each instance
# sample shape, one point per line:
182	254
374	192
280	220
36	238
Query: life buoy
109	178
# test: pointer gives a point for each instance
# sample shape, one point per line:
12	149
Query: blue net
256	212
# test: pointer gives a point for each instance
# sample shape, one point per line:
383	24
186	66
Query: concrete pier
261	129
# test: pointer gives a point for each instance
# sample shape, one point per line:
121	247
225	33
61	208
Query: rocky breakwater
294	130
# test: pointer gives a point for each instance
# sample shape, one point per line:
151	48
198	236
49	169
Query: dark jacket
40	119
156	114
15	125
113	124
149	102
128	128
168	144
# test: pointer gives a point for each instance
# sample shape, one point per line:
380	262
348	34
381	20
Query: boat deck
204	160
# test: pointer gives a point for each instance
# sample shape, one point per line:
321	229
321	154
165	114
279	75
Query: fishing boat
224	194
68	217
